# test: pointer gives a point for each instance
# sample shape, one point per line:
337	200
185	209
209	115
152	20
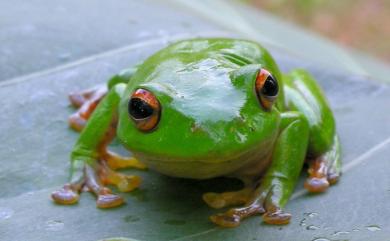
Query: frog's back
208	54
240	52
232	52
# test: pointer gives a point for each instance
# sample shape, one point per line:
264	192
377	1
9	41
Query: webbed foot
67	195
94	178
221	200
321	175
325	170
261	202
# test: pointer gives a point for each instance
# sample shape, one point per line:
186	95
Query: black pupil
270	87
139	109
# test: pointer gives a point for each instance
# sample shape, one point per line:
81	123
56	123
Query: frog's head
200	122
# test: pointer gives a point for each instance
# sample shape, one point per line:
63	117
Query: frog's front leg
279	181
91	161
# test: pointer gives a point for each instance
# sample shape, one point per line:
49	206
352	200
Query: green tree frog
204	108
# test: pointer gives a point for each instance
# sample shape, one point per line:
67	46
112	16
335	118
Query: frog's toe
276	217
226	220
115	161
93	179
221	200
106	199
86	102
125	183
65	195
232	218
76	122
317	180
76	99
214	200
316	184
333	177
264	200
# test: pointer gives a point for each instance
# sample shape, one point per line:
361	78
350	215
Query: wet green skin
212	123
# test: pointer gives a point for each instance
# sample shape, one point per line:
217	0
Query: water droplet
131	219
321	239
340	233
54	225
6	213
312	227
310	215
373	228
175	222
302	222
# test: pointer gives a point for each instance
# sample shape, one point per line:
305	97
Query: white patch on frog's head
201	90
191	46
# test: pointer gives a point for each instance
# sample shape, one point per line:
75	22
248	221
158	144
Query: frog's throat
203	169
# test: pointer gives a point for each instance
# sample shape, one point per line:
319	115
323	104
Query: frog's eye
144	109
266	88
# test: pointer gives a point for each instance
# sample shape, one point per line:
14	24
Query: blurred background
360	24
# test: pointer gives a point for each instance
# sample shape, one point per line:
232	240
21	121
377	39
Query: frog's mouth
201	169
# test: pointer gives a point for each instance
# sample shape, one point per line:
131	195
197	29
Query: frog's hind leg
225	199
276	185
303	94
111	161
86	102
324	170
115	161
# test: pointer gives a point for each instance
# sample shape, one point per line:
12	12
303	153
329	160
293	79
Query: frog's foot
333	174
262	202
94	179
115	161
77	99
86	102
325	170
221	200
69	193
321	175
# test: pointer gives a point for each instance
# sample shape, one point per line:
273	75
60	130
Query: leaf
36	143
